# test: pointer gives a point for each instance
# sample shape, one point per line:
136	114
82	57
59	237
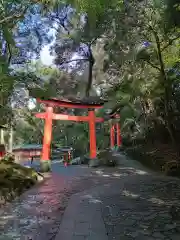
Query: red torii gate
49	116
115	132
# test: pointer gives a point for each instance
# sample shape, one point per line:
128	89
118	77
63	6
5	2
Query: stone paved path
78	203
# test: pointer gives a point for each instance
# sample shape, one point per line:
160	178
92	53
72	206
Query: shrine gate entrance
91	118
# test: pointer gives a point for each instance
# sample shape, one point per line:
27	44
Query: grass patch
14	180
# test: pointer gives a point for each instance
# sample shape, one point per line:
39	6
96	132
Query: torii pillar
45	158
118	132
93	162
115	133
118	136
112	136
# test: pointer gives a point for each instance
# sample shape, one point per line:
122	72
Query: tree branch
13	16
62	25
33	122
93	40
170	42
74	60
10	53
162	68
116	108
167	87
152	65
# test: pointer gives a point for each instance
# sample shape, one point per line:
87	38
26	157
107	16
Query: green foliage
106	158
31	130
93	8
144	55
135	46
172	13
14	180
9	157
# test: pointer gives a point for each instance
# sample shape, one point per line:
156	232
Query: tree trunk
91	64
11	140
143	105
167	108
2	136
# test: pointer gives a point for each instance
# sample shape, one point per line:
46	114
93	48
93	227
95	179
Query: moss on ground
14	180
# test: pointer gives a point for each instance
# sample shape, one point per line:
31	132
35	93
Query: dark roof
2	127
28	147
96	101
62	150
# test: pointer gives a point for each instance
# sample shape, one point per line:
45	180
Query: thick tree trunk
90	73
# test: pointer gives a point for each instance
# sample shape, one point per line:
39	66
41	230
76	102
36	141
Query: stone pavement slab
82	220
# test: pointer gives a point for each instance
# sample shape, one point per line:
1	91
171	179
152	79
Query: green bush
172	168
106	158
9	157
85	159
14	179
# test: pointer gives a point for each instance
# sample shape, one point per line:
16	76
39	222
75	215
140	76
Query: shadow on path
134	203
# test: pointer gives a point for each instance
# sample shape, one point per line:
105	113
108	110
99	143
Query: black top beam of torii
87	101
